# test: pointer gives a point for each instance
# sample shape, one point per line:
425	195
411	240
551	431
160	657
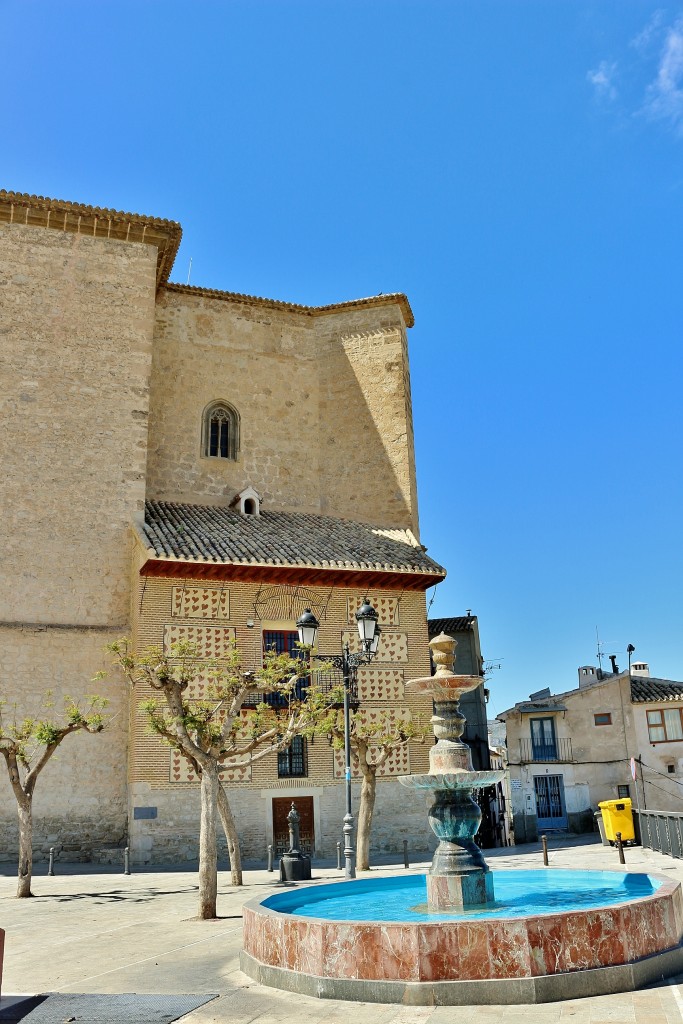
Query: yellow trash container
618	817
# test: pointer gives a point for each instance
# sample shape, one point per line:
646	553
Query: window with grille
292	762
285	642
665	725
221	431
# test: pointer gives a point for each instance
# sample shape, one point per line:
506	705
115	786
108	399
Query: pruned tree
216	729
27	745
372	743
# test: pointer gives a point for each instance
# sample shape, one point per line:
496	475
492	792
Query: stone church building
185	463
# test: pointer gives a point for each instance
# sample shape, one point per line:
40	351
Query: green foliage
30	741
216	725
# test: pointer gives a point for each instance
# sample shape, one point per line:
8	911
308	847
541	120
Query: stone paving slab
126	1008
89	932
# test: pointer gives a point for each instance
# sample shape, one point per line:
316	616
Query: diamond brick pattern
210	641
398	763
180	771
191	602
380	684
393	647
386	607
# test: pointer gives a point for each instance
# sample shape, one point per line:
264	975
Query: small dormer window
248	502
221	431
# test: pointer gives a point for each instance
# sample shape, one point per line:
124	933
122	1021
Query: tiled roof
197	533
390	299
648	690
95	222
456	624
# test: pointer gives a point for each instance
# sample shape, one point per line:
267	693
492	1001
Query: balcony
558	751
326	681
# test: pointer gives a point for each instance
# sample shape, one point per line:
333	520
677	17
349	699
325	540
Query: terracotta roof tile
455	624
207	534
648	690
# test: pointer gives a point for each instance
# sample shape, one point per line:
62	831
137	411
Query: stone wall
80	801
324	408
77	341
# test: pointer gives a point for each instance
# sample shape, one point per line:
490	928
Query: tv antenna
189	271
601	644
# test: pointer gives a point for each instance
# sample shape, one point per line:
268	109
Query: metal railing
560	750
326	681
661	831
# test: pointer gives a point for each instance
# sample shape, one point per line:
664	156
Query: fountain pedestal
459	876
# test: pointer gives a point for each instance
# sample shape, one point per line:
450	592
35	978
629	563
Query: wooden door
281	808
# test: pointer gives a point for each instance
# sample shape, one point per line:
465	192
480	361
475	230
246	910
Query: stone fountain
573	934
459	876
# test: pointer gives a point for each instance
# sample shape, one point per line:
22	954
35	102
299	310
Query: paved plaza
93	932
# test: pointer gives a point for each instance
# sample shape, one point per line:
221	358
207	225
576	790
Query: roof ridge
383	299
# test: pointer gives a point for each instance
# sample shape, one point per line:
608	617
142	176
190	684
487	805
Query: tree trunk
208	868
231	835
25	811
365	812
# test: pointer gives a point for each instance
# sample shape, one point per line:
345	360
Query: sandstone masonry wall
324	406
80	802
77	319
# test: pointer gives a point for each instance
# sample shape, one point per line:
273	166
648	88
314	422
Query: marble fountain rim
459	779
526	959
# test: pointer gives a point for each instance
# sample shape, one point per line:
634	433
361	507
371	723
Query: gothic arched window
221	431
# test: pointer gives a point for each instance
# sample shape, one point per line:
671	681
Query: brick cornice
95	222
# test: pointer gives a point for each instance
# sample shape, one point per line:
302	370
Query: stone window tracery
221	431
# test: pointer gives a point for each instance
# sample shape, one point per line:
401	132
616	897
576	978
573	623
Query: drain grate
129	1008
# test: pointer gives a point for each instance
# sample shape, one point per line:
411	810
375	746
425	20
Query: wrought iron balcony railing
560	750
326	681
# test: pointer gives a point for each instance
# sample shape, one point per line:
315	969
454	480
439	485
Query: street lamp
348	662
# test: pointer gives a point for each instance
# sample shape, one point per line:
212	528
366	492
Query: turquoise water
518	894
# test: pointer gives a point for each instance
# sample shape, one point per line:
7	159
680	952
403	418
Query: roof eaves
95	222
390	299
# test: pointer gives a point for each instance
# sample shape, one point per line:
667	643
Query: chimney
615	667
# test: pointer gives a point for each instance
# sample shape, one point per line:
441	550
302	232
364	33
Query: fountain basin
475	956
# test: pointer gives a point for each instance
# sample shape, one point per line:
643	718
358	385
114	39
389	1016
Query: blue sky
516	168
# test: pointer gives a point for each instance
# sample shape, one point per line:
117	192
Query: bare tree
216	730
372	743
27	746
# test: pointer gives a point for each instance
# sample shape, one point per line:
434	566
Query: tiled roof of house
390	299
197	533
648	690
456	624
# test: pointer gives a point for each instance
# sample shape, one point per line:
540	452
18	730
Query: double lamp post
348	662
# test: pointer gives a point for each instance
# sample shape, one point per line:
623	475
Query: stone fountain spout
459	876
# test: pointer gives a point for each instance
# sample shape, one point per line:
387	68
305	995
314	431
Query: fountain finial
443	654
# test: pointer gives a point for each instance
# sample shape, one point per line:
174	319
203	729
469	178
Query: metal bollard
51	862
544	843
270	856
620	848
339	863
126	861
406	862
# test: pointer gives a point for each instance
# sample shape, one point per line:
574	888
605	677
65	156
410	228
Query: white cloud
603	80
651	30
664	98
